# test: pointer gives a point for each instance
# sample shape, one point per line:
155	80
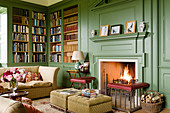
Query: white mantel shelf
121	36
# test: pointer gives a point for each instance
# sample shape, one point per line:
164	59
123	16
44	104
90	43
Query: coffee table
9	94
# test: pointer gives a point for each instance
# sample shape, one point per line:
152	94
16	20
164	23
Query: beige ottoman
58	98
80	104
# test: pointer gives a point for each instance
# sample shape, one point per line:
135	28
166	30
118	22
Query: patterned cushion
32	76
2	90
26	100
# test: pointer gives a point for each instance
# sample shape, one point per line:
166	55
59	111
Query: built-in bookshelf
38	37
20	35
70	32
55	36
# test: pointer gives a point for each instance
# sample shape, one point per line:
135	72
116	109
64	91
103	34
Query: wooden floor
165	110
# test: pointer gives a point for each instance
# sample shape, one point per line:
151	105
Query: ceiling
43	2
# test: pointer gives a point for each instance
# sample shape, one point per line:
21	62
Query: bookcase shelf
38	36
55	36
20	36
70	32
71	14
20	51
55	42
20	41
71	22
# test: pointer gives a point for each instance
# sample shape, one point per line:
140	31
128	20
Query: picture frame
104	30
130	27
116	29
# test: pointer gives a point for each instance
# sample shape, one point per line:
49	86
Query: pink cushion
128	87
31	109
79	80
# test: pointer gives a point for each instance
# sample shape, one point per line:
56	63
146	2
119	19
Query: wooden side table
75	72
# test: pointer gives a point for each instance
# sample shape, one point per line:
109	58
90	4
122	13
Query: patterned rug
44	106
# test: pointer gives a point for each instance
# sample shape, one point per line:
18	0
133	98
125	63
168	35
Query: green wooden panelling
151	50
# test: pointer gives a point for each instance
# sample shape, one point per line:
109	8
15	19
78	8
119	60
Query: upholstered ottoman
58	98
80	104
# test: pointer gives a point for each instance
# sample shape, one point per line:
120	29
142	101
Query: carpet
44	106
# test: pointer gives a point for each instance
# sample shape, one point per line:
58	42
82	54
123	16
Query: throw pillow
2	90
30	76
31	109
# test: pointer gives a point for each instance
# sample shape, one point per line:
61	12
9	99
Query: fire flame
126	75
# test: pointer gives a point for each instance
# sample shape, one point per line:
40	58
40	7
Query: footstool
80	104
58	98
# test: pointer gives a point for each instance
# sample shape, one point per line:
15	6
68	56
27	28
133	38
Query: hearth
122	71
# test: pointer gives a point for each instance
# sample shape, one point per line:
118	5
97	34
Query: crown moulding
43	2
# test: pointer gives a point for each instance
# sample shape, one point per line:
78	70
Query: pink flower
9	77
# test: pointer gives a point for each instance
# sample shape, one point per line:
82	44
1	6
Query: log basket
152	107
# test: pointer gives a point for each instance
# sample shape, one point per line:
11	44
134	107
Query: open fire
126	75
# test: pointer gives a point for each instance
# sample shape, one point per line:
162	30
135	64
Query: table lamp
77	55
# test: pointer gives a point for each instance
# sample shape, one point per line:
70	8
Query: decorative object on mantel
77	55
116	29
142	27
130	27
104	30
93	32
151	101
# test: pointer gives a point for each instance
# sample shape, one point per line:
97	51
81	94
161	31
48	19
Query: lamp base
76	66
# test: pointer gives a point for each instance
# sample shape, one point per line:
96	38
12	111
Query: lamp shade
78	55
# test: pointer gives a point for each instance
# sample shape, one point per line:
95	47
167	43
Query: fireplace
123	71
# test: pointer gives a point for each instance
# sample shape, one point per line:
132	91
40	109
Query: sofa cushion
23	85
5	85
39	84
30	76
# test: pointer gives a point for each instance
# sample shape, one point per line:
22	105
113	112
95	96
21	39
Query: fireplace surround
114	69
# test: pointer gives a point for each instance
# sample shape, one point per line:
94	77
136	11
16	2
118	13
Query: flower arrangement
9	74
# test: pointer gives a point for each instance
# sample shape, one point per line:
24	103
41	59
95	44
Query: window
3	35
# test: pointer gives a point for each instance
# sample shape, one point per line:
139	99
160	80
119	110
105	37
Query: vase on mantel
141	26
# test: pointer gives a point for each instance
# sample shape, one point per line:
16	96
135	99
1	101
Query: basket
154	107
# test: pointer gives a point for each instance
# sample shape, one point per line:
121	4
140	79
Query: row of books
20	46
71	37
20	57
55	15
36	22
70	27
39	58
55	22
38	30
73	18
38	47
22	37
68	59
69	11
55	30
37	38
56	48
68	48
20	28
40	16
55	57
21	20
21	12
55	38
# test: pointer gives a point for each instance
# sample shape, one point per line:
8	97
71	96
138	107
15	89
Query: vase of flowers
13	85
11	77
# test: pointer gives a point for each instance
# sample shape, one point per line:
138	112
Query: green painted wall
150	48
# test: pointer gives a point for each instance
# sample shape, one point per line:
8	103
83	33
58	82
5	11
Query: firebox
123	71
